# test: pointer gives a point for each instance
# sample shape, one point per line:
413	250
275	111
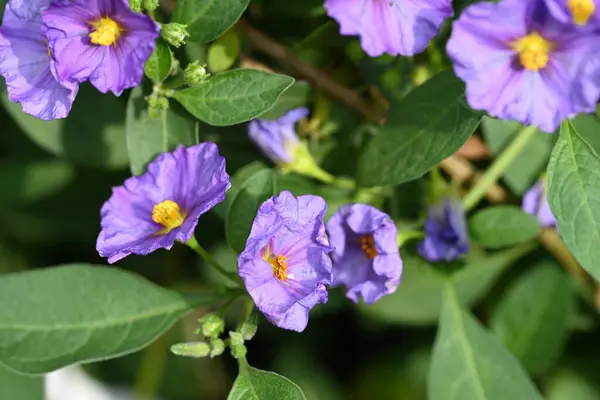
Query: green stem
165	129
319	174
225	307
405	236
498	167
149	376
247	311
194	245
344	183
174	83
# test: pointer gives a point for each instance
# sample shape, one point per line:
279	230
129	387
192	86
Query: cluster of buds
212	326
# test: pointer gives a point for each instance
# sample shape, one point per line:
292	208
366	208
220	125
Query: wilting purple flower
579	12
446	236
100	40
366	259
27	66
390	26
535	203
519	63
278	139
153	210
286	263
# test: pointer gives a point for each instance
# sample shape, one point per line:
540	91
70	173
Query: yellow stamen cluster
280	267
368	246
167	214
279	263
106	31
534	51
581	10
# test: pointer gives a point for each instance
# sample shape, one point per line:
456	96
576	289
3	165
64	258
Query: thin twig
350	98
463	172
550	239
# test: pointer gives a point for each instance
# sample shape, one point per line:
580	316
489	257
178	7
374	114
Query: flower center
368	246
279	263
581	10
168	214
106	31
280	266
534	51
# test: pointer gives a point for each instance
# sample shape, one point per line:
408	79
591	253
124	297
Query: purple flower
446	237
27	66
100	40
579	12
535	203
520	63
278	139
153	210
366	259
286	263
390	26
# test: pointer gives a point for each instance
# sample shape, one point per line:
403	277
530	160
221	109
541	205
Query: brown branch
462	172
298	67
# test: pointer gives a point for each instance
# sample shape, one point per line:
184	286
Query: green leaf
81	313
526	168
159	64
588	127
569	384
93	134
254	384
20	387
533	315
237	181
418	299
296	96
233	97
574	196
223	53
206	20
296	184
503	226
147	137
427	126
23	182
469	363
242	211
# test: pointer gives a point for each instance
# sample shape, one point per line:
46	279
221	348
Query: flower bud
535	202
174	33
238	349
150	5
191	349
249	328
217	347
446	236
136	5
212	325
279	141
195	73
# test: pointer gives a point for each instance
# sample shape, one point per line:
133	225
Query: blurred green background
55	176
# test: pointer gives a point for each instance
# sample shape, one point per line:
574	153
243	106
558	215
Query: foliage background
55	176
